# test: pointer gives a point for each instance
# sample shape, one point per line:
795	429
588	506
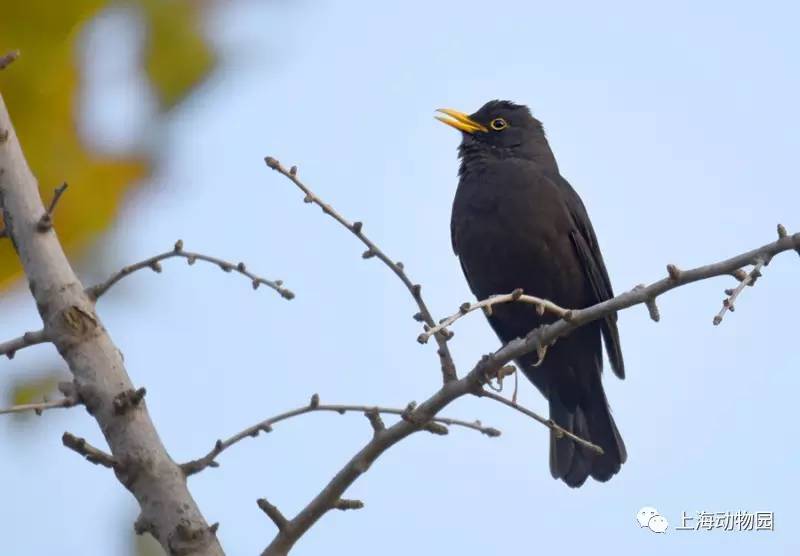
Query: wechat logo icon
650	518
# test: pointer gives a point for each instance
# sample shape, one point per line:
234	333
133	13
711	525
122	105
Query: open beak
460	121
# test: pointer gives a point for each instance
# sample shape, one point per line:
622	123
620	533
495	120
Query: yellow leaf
41	90
33	390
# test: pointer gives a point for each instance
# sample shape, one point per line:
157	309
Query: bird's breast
511	229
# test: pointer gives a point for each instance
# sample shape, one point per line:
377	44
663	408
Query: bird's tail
591	420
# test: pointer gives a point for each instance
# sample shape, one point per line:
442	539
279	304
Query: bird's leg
503	372
541	351
516	388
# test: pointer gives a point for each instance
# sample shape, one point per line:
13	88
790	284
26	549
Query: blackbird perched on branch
517	223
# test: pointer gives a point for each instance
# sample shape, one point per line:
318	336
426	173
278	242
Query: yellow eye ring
498	124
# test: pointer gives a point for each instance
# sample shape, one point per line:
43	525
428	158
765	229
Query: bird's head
502	127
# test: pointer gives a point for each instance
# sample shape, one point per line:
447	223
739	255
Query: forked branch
445	358
154	264
209	460
11	347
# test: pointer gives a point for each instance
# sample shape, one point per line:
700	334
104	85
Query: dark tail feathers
592	421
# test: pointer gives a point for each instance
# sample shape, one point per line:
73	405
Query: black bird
517	223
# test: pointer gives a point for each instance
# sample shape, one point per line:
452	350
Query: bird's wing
454	239
588	249
454	232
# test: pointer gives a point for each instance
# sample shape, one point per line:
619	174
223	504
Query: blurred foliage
42	90
176	54
33	390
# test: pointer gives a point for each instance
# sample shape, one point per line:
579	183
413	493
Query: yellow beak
460	121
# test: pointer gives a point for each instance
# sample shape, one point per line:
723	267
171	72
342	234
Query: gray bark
141	462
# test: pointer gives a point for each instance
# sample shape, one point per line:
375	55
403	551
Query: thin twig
542	306
40	406
748	280
783	233
154	264
652	308
445	358
374	417
92	454
11	347
344	504
8	58
273	513
209	460
549	423
46	221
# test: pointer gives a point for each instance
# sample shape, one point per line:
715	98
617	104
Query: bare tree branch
71	398
375	421
140	461
783	233
40	406
415	419
154	263
273	513
748	280
542	306
11	347
445	358
92	454
46	221
344	504
209	460
549	423
652	308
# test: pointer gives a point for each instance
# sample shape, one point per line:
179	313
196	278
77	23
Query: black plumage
517	223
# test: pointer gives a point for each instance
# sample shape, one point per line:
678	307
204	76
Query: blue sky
677	124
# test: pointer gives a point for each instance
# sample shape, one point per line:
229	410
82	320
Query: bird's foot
541	351
503	372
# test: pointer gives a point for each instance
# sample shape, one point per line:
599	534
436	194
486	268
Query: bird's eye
498	124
